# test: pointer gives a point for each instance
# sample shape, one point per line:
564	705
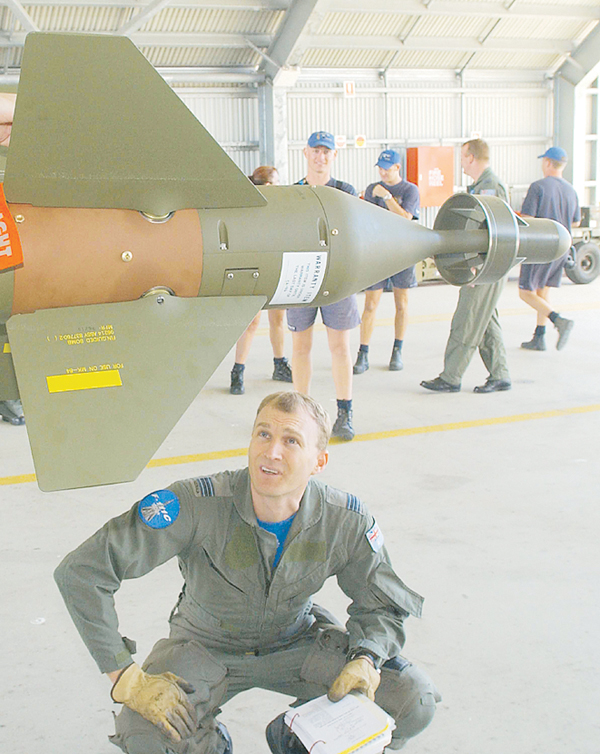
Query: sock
279	361
345	405
398	344
540	330
238	367
552	316
364	348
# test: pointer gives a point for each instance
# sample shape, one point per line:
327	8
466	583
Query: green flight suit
239	623
475	323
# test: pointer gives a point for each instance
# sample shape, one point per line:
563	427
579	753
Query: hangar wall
513	111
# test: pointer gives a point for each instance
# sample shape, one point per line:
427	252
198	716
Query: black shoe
564	327
237	382
537	343
343	425
493	386
280	738
224	733
440	386
282	371
362	363
396	363
12	412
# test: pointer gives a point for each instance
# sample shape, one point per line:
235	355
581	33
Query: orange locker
432	170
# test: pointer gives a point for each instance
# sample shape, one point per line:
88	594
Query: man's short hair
479	149
263	175
290	402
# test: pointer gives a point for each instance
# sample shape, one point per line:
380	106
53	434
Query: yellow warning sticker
6	348
62	383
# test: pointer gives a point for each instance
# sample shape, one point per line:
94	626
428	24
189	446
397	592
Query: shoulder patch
375	537
159	509
204	487
354	504
489	192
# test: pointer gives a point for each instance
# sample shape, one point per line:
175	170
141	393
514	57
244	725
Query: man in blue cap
552	197
339	318
401	198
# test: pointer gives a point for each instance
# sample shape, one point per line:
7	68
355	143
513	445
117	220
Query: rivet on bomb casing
322	243
334	231
230	276
326	293
160	299
19	218
256	275
127	256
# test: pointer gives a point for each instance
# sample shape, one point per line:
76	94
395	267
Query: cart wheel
587	263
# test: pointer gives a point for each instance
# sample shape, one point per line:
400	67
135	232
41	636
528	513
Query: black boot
237	380
280	738
282	370
12	412
396	363
343	425
537	343
564	327
362	362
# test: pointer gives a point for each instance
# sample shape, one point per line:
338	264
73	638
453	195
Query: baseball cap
321	139
555	153
388	158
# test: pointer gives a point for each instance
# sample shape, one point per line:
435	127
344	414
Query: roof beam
457	8
142	17
302	18
170	39
462	44
21	14
584	62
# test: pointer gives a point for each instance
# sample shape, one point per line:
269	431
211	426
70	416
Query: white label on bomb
302	275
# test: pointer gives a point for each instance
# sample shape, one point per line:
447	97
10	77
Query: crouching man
253	546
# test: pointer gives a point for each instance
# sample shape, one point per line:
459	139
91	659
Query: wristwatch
387	197
362	652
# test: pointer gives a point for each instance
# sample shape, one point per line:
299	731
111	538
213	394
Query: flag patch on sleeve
375	537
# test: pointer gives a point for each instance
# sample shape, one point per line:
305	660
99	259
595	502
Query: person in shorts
402	198
339	318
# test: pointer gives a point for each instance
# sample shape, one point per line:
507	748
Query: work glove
161	699
358	674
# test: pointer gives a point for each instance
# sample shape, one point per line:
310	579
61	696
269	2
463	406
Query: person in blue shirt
552	197
402	198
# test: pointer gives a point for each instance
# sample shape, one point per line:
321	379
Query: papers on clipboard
355	723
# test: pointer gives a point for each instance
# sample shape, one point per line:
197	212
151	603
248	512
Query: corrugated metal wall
513	112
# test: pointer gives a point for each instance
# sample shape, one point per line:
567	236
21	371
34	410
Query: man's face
390	175
283	453
320	159
466	160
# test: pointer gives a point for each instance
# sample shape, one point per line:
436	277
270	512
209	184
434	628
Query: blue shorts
404	279
341	316
535	276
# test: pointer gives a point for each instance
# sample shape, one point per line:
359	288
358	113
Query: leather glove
160	698
357	674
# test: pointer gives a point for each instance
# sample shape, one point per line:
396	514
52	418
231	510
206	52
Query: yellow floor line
367	437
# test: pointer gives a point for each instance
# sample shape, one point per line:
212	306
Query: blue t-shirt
280	529
406	193
554	198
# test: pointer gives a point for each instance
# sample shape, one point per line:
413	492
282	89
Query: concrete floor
489	505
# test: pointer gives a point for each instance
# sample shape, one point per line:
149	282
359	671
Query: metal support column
272	101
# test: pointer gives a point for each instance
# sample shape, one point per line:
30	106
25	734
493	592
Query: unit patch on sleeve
159	509
375	537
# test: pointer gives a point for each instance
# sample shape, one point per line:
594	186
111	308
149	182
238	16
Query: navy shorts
535	276
341	316
404	279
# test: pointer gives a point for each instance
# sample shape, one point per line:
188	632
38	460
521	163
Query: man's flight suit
475	323
239	623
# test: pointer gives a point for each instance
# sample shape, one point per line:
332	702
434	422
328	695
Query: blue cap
388	158
321	139
555	153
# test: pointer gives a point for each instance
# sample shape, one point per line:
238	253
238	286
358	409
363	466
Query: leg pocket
326	658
